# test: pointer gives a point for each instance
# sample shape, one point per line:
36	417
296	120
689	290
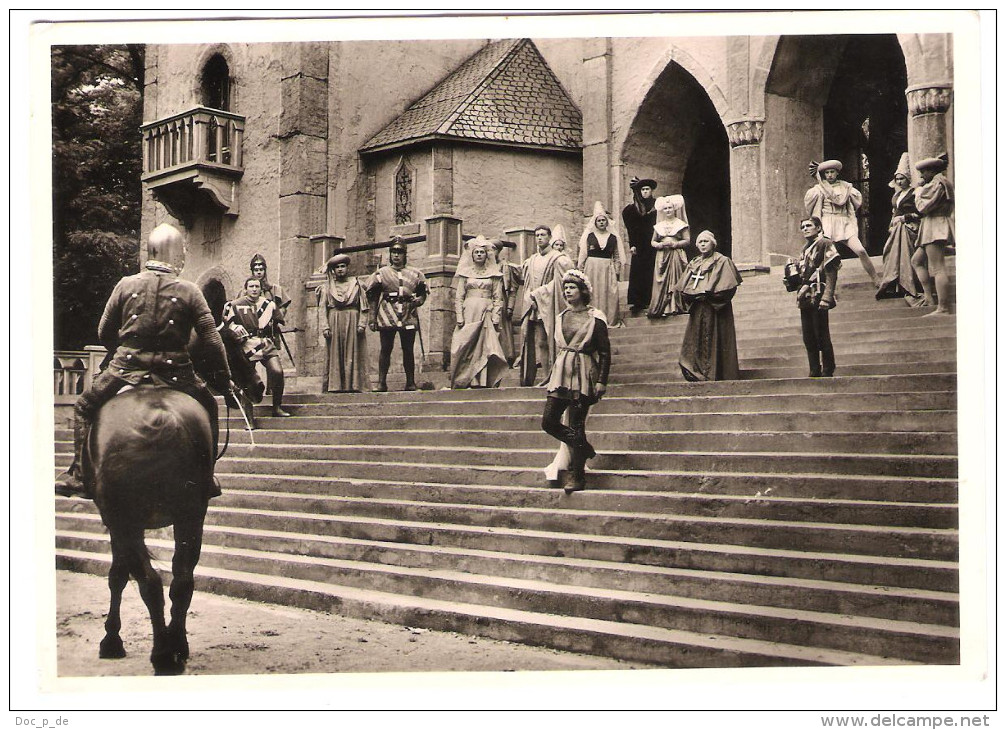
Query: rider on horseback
147	322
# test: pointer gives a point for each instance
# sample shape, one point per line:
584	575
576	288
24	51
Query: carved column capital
745	132
929	98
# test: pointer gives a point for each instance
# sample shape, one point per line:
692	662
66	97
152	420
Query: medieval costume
146	326
600	257
898	278
639	217
670	238
341	306
274	293
935	203
709	348
578	378
396	292
818	264
511	276
542	274
477	358
835	203
251	318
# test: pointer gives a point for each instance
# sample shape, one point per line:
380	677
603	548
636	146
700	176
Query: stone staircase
774	520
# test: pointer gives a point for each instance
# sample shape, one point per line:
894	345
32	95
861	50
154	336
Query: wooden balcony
194	158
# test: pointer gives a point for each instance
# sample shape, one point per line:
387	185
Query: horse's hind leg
118	576
188	545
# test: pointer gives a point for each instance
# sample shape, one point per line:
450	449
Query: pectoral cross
696	278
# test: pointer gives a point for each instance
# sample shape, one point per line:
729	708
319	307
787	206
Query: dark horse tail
148	447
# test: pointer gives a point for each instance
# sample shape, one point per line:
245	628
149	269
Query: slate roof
504	94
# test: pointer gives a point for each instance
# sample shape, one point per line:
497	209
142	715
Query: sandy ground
235	636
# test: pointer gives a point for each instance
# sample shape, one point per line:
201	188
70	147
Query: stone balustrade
73	371
198	136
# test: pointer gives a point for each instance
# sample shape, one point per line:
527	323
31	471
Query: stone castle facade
294	149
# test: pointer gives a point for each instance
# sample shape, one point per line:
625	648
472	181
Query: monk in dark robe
709	282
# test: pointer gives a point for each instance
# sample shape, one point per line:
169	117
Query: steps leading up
776	520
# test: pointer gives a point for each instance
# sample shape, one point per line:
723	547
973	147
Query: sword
286	347
251	429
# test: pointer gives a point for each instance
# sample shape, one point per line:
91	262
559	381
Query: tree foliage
97	109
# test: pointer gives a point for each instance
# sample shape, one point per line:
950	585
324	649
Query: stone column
303	175
927	121
524	238
443	247
745	192
596	110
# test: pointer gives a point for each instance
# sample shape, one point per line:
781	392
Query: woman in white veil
670	237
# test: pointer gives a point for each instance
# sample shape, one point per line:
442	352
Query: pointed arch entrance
839	97
678	138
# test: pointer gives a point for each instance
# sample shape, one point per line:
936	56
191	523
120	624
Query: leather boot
382	381
277	400
576	479
815	364
410	378
70	483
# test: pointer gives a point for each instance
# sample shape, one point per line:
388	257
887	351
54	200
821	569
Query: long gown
671	263
709	347
477	358
639	230
600	264
898	277
346	359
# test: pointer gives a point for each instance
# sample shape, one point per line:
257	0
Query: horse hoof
168	666
111	648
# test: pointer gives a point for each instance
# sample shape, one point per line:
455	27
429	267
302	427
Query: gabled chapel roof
504	94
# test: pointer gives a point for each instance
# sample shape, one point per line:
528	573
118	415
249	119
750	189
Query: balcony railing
200	136
73	371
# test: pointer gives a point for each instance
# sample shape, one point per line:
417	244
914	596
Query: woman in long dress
708	283
600	257
477	358
511	283
898	278
670	237
341	303
578	380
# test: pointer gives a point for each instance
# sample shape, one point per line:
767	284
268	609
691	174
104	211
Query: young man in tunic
934	200
396	292
542	273
251	319
273	293
147	323
818	265
835	203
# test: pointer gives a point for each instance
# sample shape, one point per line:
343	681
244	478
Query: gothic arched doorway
677	138
840	97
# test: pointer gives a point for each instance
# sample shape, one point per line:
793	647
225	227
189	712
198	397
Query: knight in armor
146	324
251	319
396	292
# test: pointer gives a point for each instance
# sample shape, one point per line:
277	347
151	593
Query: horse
148	456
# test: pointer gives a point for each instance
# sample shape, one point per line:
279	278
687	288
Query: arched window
216	84
403	193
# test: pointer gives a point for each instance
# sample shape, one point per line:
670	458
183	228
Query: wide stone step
946	381
767	347
923	606
531	403
896	571
865	422
749	372
895	330
604	440
887	637
513	501
665	647
319	460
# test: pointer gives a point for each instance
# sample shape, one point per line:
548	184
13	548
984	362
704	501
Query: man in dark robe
709	282
639	217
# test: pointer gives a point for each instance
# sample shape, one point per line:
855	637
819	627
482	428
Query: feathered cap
938	163
635	183
339	258
577	276
903	169
829	165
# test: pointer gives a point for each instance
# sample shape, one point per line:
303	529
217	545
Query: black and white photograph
614	360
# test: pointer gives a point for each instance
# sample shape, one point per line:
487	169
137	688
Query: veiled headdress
603	239
467	266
